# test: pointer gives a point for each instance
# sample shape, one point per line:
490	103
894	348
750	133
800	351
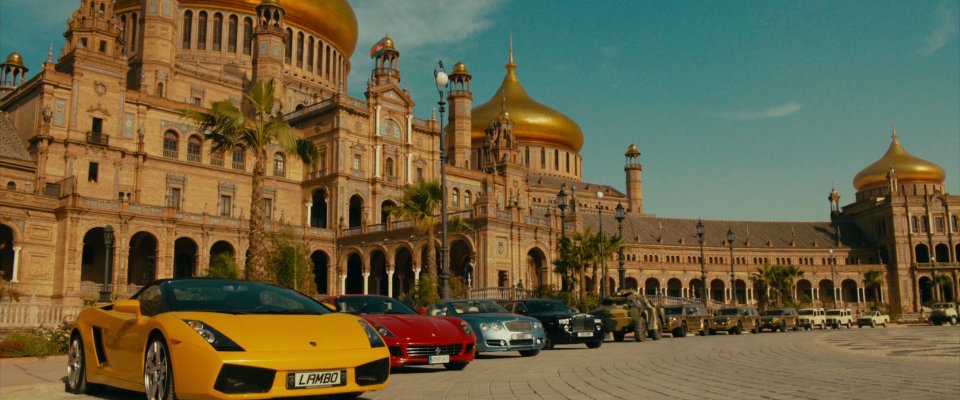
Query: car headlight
597	321
372	336
466	328
491	326
563	321
673	319
219	341
537	325
384	331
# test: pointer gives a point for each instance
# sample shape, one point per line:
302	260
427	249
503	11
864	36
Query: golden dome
14	59
388	43
632	150
907	167
533	123
334	20
460	68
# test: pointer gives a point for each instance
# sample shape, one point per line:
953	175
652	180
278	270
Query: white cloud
783	110
417	24
946	29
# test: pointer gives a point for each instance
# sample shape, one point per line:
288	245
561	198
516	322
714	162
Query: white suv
840	317
812	317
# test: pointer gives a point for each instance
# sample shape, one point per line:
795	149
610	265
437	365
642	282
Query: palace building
95	140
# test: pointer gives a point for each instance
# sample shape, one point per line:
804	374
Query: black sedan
562	325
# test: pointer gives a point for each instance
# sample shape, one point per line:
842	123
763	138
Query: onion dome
333	20
533	123
907	167
460	69
15	59
632	150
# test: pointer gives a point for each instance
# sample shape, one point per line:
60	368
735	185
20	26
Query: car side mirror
422	311
128	307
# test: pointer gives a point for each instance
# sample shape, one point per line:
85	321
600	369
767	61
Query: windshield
371	305
833	312
542	306
477	307
237	297
773	312
806	312
943	305
673	310
727	311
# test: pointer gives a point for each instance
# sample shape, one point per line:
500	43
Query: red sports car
413	338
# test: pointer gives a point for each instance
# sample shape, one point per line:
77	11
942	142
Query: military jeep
628	311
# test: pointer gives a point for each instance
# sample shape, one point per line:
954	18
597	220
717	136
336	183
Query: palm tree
764	276
421	205
228	126
610	246
788	276
873	279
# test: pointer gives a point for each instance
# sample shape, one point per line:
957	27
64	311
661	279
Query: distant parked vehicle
779	319
810	318
839	317
629	311
872	319
562	325
680	319
734	320
943	313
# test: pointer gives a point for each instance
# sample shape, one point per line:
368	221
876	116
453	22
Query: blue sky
746	110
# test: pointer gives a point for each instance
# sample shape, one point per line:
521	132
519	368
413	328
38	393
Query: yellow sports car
224	339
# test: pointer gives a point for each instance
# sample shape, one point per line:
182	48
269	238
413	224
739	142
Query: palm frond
261	96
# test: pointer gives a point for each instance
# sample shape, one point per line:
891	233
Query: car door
131	335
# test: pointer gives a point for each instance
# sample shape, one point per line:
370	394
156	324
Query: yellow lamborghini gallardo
222	339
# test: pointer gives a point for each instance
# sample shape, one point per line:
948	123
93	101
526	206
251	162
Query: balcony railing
216	162
171	153
500	293
29	314
196	158
98	138
239	165
937	265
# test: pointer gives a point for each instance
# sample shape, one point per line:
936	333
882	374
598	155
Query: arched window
247	35
279	164
170	144
310	54
123	27
467	200
134	22
288	53
388	167
193	148
11	185
216	158
556	160
326	71
202	30
456	198
543	158
187	28
232	34
239	158
300	50
320	57
160	89
217	31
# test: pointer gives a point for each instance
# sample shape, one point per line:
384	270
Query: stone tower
158	46
12	73
634	172
387	63
268	49
461	102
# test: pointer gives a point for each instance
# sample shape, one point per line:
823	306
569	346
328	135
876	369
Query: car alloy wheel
157	371
640	330
77	368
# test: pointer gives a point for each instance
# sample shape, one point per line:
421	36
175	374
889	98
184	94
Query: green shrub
422	295
37	342
222	265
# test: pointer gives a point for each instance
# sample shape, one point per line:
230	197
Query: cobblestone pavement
880	363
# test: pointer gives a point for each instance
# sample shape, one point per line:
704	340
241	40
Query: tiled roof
584	188
11	144
638	229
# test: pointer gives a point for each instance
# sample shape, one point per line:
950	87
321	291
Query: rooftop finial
503	101
894	129
50	54
511	49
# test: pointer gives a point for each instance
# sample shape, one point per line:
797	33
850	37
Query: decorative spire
511	50
50	54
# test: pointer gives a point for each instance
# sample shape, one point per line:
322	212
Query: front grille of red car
234	379
519	326
424	351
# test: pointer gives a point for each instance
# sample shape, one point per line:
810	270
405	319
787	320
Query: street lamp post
603	264
833	276
107	264
733	281
441	81
621	271
562	205
703	265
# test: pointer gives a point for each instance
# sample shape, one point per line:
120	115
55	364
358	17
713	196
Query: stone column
309	214
376	160
377	120
416	275
390	282
16	263
813	294
366	282
343	284
409	129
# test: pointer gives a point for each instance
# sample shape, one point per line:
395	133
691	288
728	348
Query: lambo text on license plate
315	379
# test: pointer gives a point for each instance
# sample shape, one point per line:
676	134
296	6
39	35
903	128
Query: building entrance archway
142	262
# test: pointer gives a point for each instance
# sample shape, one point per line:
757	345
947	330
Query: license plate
584	334
522	336
438	359
315	379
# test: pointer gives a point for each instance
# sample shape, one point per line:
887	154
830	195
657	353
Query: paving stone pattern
879	363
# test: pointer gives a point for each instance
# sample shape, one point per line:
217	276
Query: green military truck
628	311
